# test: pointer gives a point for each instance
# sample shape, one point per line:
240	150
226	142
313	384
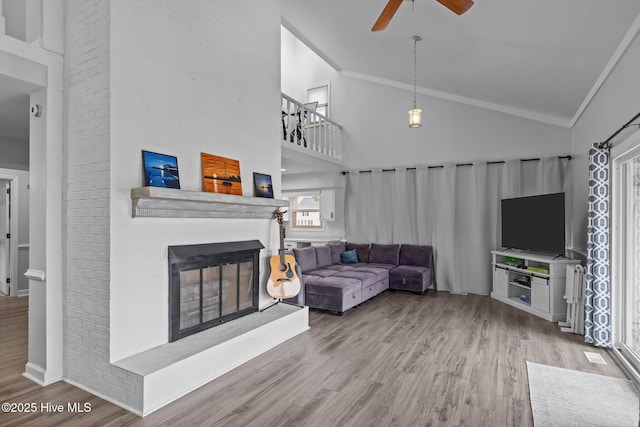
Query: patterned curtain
598	292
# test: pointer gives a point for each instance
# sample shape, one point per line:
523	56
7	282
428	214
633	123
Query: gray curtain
597	322
456	209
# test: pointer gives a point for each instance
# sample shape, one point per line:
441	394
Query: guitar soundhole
283	267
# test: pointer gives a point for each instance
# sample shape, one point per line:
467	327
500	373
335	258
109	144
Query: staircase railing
307	129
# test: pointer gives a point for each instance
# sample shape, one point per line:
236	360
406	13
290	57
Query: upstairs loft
306	132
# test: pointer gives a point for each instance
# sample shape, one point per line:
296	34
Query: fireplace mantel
161	202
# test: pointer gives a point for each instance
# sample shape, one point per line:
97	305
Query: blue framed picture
160	170
262	185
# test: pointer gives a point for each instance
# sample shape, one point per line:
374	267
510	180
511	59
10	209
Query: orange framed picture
220	175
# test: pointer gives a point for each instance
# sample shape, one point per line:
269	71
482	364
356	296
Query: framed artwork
262	185
160	170
220	175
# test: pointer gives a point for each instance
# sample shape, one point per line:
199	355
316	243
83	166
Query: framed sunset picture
220	175
262	185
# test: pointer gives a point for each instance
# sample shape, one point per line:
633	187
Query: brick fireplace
210	284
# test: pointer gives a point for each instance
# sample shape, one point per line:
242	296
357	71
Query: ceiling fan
456	6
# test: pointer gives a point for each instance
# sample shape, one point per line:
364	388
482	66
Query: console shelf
161	202
544	276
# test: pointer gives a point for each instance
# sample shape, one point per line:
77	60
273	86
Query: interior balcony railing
305	130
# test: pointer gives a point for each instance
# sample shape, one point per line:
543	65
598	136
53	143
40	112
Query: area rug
562	397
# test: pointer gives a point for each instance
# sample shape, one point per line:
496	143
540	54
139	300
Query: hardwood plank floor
397	360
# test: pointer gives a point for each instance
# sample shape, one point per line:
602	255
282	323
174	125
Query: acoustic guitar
283	281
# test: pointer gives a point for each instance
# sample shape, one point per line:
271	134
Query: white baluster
319	132
325	126
316	141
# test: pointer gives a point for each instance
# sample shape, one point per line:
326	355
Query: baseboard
34	373
38	375
102	396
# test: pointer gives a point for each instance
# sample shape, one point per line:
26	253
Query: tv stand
531	282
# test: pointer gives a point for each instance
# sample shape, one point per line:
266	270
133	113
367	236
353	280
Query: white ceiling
537	58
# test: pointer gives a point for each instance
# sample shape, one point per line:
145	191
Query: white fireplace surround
171	370
168	371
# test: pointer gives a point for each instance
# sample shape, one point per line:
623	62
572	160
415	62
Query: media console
531	282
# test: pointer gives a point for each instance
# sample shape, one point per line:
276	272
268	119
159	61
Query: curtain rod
623	127
492	162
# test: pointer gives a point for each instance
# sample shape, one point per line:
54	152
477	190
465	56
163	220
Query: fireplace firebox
210	284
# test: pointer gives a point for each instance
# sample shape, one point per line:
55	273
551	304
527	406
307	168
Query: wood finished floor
397	360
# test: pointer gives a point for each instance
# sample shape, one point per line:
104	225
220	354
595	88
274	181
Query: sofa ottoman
332	293
415	272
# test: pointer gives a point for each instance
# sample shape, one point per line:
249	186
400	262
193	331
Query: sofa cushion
342	267
336	250
323	256
379	273
333	286
366	278
362	249
321	272
419	255
384	254
385	266
306	258
349	257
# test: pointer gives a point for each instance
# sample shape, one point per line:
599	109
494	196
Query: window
320	93
305	212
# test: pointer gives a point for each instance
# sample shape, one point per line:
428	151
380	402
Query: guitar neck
281	243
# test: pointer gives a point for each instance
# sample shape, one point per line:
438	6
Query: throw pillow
349	257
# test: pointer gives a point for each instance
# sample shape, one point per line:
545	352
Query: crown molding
552	120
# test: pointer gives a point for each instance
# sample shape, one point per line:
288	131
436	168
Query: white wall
376	132
186	78
23	19
617	101
15	154
301	67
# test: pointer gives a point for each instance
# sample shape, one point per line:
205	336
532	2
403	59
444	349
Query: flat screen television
534	223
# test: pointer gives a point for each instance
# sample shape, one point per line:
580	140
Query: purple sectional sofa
328	284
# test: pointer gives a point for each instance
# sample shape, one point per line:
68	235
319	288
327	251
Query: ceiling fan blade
457	6
386	15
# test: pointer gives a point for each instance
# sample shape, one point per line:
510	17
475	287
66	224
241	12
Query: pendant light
415	114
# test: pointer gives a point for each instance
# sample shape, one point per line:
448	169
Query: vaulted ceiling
541	59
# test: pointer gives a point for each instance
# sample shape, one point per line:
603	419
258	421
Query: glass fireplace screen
212	293
208	290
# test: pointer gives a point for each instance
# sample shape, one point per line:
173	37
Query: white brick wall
87	200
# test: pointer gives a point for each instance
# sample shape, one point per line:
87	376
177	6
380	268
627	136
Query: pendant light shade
415	117
415	114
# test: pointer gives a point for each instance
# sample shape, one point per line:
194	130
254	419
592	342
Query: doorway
5	236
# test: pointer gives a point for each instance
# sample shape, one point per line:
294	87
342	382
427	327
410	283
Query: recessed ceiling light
283	170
